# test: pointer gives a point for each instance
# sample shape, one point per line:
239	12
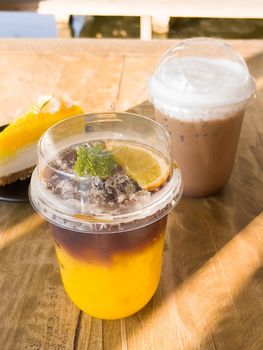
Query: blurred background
146	19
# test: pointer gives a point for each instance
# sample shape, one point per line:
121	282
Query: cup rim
237	103
134	220
161	204
96	115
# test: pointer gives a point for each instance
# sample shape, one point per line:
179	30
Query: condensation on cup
200	90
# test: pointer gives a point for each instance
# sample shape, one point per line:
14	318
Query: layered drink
200	90
106	184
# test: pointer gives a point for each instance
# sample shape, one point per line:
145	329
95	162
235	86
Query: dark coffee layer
101	247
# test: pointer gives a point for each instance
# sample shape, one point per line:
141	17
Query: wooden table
211	290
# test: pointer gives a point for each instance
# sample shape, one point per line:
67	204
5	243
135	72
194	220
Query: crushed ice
115	194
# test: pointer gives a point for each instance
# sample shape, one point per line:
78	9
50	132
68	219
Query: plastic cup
200	90
110	260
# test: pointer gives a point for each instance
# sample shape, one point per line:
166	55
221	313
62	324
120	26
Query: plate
16	191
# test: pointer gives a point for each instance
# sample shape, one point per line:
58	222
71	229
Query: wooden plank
198	301
91	80
36	68
35	311
146	28
247	48
178	8
133	87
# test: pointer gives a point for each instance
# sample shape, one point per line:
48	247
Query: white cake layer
23	159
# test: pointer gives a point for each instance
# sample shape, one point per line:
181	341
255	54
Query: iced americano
106	184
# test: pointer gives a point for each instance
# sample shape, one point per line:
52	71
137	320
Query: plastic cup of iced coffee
200	90
106	183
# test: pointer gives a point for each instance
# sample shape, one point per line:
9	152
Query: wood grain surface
211	292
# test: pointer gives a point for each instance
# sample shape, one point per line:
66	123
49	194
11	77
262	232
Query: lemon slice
143	165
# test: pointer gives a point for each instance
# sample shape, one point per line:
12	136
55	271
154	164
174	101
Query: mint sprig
94	161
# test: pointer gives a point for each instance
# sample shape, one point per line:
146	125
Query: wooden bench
145	9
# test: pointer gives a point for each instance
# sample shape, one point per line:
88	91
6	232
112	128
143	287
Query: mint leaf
95	161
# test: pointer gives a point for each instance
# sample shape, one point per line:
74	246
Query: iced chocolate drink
200	90
106	185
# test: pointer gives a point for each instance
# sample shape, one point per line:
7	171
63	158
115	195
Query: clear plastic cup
200	89
109	254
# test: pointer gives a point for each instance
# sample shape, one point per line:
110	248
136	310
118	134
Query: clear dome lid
201	72
97	172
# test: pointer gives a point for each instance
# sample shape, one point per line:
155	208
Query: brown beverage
200	90
205	150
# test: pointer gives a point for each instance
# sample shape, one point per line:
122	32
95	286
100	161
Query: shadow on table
240	329
206	276
16	221
12	214
200	231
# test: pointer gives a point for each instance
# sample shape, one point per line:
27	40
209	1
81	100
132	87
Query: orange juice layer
28	128
117	289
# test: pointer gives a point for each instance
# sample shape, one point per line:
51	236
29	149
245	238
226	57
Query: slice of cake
18	141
